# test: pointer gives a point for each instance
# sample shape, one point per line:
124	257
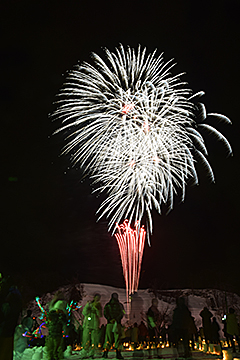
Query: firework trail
131	245
133	127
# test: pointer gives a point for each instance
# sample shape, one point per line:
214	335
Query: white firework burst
132	126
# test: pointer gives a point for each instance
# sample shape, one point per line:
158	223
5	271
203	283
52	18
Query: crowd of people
61	330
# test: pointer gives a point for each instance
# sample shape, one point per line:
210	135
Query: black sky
49	233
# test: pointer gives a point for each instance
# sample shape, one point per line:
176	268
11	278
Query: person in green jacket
92	313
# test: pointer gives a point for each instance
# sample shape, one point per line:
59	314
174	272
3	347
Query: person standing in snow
55	322
182	324
92	313
232	328
113	312
206	316
153	317
215	332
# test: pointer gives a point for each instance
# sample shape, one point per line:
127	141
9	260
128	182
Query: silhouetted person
113	312
215	331
181	325
225	332
153	317
206	316
232	328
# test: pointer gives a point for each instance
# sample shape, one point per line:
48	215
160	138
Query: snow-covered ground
39	354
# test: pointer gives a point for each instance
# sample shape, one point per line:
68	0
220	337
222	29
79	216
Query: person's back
113	312
181	325
232	327
232	323
206	316
215	331
207	325
181	318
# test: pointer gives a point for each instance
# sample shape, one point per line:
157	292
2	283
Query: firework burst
132	125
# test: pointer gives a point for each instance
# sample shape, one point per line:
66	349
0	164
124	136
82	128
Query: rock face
217	301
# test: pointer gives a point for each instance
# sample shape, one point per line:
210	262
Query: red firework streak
131	244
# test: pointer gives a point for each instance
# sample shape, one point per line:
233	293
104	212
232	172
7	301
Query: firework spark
131	245
133	126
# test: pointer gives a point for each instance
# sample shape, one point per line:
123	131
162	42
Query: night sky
49	234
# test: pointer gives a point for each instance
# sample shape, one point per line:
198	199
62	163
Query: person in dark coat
10	309
206	316
215	331
153	317
182	324
193	332
113	312
153	321
232	328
